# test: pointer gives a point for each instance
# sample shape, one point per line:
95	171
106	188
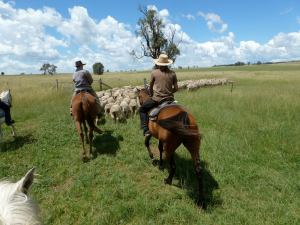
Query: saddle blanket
155	111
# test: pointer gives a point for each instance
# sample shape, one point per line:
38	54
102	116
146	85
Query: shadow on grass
17	143
107	143
185	173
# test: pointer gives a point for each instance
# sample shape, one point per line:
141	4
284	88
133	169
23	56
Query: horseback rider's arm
89	77
175	85
151	85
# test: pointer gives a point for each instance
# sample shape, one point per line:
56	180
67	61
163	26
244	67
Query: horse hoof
154	162
161	167
151	156
85	158
168	181
201	204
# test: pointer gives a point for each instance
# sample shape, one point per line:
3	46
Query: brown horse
175	126
84	110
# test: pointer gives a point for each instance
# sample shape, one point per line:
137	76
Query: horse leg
147	144
194	147
160	148
91	130
79	130
85	132
170	147
13	130
98	130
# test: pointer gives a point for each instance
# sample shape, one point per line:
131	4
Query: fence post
100	84
56	84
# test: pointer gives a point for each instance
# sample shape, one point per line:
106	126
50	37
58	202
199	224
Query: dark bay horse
175	126
84	110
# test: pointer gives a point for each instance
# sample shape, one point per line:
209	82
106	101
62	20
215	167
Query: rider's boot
144	124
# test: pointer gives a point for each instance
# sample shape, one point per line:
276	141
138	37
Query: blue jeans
6	110
144	110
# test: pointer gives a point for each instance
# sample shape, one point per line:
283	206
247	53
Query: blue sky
212	32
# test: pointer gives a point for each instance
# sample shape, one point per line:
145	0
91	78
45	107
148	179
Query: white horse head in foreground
5	96
16	208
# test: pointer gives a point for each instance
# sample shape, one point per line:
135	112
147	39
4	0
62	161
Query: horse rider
83	82
163	83
6	109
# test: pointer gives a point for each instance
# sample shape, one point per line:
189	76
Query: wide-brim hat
79	63
163	60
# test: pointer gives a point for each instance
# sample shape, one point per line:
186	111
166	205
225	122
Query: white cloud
188	16
214	22
31	37
107	41
226	50
24	39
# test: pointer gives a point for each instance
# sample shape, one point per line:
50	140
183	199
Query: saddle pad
154	112
2	113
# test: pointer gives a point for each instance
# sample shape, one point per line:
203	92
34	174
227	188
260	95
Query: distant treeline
239	63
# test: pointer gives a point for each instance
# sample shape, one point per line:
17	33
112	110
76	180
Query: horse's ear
26	181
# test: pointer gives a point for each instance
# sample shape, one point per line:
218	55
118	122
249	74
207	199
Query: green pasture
250	152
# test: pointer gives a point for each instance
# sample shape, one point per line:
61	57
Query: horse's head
15	206
143	95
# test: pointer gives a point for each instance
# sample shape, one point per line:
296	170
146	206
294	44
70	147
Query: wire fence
69	84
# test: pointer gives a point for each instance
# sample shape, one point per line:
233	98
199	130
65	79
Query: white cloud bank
29	38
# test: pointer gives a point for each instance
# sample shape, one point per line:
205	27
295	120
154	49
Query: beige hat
163	60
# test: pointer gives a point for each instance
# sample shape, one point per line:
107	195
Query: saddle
84	90
155	111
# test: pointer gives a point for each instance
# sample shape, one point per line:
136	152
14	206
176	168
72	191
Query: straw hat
163	60
79	63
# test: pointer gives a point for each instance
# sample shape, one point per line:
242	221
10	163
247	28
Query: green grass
250	153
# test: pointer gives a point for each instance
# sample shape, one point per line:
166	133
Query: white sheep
107	108
133	106
116	113
125	109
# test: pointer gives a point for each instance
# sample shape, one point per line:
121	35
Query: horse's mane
15	206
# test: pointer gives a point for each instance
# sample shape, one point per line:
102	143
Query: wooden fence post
100	84
56	84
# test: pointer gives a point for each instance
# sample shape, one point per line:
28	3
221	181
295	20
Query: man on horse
83	82
163	83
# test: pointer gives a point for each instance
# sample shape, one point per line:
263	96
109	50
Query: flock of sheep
122	103
119	103
191	85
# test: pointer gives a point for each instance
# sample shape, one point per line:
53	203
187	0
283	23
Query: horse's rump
179	124
84	104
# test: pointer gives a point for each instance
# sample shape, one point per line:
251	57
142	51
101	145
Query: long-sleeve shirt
163	82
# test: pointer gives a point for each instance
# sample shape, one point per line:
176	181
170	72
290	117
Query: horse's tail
84	105
180	125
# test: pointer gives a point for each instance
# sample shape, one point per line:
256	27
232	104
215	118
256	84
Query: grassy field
250	153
